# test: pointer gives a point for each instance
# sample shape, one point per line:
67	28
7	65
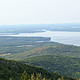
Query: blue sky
39	11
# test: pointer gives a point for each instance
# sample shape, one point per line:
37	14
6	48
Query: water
24	45
72	38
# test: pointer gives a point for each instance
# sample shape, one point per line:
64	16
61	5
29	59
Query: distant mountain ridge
24	28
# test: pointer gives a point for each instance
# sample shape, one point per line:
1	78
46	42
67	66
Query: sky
39	11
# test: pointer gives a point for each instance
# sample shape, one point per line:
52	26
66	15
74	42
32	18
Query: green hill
12	69
60	64
19	46
67	50
36	57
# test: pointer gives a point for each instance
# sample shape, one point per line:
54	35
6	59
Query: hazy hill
39	28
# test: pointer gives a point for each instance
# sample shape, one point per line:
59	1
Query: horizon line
41	23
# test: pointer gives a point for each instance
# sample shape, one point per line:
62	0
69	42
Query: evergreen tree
24	76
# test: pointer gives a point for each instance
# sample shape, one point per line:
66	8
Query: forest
63	65
40	52
12	70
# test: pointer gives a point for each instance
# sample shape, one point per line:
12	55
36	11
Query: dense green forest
67	50
15	45
12	70
4	39
40	52
63	65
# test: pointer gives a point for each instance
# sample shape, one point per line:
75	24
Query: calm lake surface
72	38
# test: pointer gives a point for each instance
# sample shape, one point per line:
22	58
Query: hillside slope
12	69
67	50
60	64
